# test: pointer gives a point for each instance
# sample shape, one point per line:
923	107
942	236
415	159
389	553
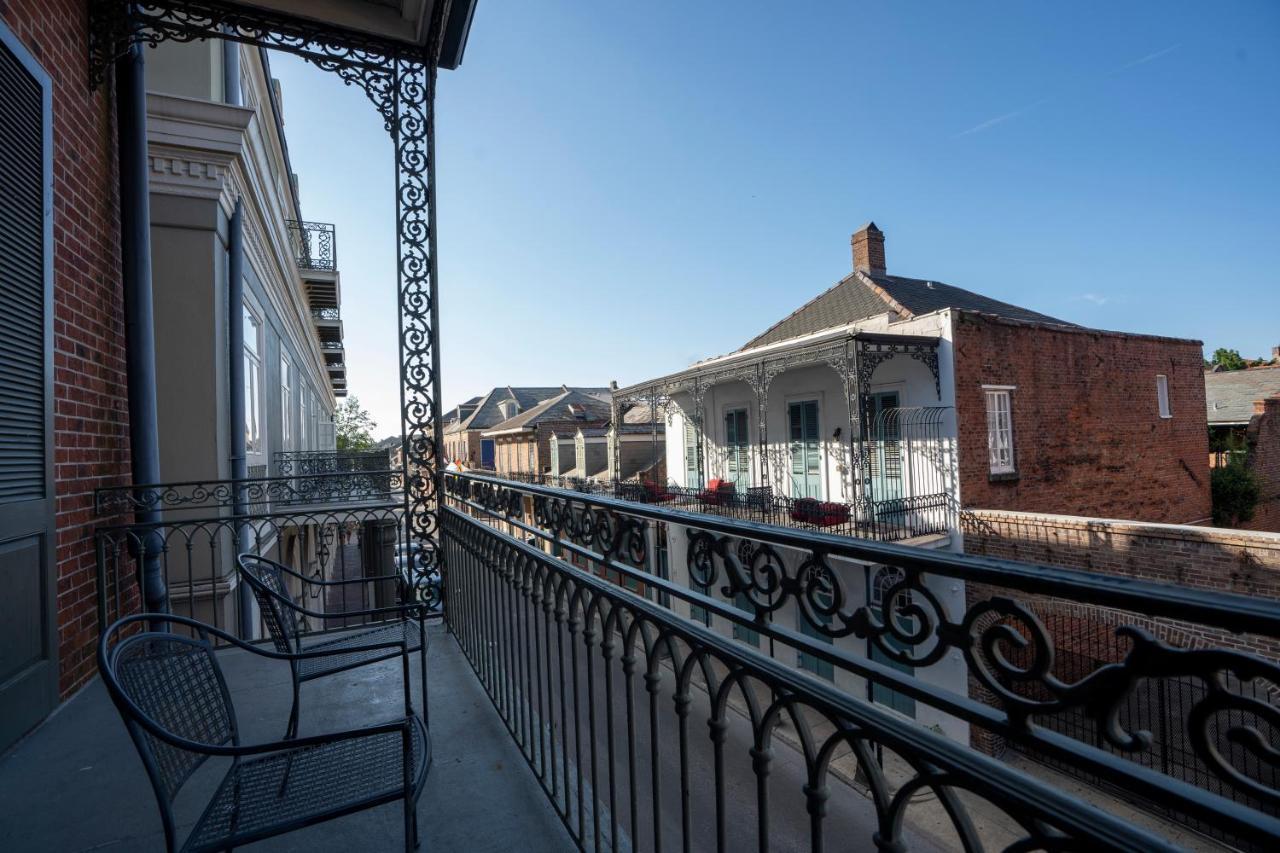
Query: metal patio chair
170	690
281	614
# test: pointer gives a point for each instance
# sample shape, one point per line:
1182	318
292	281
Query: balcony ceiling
405	22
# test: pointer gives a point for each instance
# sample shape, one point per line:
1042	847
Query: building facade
106	384
888	397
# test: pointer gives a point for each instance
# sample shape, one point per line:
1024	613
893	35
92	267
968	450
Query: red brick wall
90	397
1263	437
1088	436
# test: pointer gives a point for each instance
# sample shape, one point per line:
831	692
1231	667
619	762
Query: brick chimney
868	249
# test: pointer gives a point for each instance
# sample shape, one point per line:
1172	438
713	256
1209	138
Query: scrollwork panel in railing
647	731
916	618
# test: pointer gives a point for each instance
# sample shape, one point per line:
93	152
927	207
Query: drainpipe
140	338
236	401
231	72
235	343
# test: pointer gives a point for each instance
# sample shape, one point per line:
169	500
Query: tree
1235	494
1229	359
353	427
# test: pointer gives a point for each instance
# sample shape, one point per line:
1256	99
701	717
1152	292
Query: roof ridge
754	338
903	312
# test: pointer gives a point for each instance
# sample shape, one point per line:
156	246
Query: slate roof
558	409
640	413
487	414
852	299
1229	394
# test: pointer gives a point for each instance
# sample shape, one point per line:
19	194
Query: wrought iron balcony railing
886	520
338	525
289	462
806	654
314	245
326	314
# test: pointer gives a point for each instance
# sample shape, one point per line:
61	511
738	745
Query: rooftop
861	295
1229	394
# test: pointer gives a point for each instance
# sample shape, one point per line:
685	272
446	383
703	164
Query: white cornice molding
192	145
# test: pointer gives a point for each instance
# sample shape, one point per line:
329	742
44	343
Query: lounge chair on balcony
170	690
281	615
718	492
819	513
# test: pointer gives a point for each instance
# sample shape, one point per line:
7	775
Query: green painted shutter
806	450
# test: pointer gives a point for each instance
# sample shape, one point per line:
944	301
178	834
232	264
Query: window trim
286	401
1164	404
788	401
995	470
257	363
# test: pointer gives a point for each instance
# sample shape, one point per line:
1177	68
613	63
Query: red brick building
63	354
1243	411
1104	424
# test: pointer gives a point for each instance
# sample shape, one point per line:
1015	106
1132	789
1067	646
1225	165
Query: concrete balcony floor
77	784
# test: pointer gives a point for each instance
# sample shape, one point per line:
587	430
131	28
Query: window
252	383
806	452
691	466
746	634
737	448
1162	395
823	589
286	403
1000	429
304	415
880	591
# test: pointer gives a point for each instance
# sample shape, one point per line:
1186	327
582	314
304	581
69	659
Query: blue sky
627	187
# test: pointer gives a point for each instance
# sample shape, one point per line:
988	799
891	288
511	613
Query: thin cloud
1150	57
1095	298
992	122
1000	119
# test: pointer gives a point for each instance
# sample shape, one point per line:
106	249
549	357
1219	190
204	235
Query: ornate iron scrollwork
399	80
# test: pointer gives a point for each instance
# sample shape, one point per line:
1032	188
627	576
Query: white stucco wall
910	378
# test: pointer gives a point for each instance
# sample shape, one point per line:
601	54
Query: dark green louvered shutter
22	286
28	633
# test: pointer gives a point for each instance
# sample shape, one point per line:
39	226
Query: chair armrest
373	611
372	647
320	740
275	745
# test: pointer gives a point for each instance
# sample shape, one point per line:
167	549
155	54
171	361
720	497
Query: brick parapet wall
1208	558
1088	436
90	396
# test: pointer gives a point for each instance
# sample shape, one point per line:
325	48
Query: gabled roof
1229	394
570	405
862	295
487	413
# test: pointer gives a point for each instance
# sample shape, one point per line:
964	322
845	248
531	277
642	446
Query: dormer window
509	409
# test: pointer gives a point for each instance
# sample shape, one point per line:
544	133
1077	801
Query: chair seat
340	659
255	801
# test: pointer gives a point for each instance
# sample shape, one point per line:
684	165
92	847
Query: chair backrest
279	611
173	683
